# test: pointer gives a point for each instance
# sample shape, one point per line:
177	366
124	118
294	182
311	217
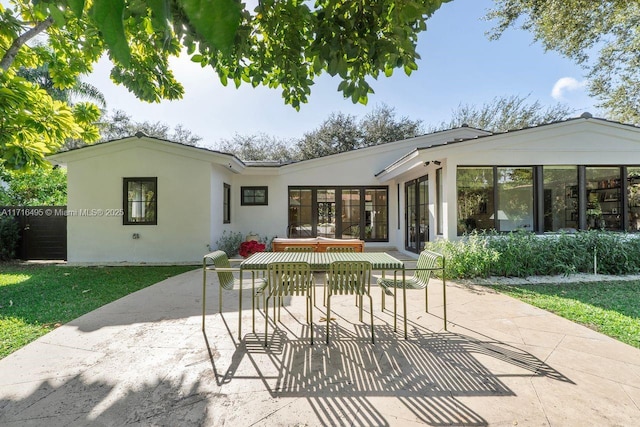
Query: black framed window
339	212
549	198
140	201
226	203
254	196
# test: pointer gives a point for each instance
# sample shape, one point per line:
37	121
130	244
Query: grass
36	299
611	308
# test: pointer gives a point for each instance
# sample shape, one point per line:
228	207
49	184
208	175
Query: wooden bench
320	244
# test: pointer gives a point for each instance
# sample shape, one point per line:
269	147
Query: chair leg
426	299
373	340
328	315
310	316
204	294
266	321
395	309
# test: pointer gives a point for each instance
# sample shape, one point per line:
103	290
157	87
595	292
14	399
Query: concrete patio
144	360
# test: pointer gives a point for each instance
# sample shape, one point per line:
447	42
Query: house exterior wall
356	168
184	211
581	142
191	182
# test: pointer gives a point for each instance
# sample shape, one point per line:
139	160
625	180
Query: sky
458	65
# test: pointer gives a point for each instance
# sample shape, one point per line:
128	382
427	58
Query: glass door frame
415	234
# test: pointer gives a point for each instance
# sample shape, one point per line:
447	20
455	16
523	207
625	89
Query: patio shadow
342	381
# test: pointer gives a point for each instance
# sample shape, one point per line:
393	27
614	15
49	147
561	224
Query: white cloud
566	84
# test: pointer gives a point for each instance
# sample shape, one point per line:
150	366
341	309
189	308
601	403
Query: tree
258	147
342	132
121	125
282	44
79	89
42	186
601	36
381	126
338	133
504	113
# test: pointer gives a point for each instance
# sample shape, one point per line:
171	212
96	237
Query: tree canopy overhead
602	36
281	44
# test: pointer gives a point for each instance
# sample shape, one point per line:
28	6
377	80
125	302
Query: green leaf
108	15
77	7
159	14
57	15
215	20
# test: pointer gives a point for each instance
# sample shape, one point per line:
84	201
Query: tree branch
12	52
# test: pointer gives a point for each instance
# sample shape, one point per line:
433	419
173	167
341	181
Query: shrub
9	237
469	257
230	242
523	254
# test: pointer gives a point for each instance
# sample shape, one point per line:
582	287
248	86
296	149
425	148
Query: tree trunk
12	52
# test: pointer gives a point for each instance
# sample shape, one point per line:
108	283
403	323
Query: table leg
404	301
253	301
240	308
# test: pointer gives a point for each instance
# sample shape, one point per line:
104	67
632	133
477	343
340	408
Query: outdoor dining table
319	261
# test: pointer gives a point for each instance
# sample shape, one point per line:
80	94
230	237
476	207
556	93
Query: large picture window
140	202
515	199
475	199
560	198
339	212
548	198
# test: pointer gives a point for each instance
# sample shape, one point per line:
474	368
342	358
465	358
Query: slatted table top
321	260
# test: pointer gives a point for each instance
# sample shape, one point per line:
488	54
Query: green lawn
612	308
35	299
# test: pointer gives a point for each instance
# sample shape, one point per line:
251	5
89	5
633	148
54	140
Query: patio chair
426	264
222	266
299	249
340	249
288	279
349	278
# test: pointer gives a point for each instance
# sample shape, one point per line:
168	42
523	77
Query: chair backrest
349	277
289	278
220	260
426	259
340	249
299	249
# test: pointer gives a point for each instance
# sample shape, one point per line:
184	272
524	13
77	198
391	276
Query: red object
251	247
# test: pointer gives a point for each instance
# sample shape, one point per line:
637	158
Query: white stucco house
141	199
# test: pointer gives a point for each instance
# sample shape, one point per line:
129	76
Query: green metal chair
221	264
349	278
340	249
299	249
427	263
289	279
334	249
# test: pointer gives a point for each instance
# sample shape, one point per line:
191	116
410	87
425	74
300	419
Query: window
254	196
140	201
633	198
560	198
475	199
339	212
549	198
226	204
515	199
604	198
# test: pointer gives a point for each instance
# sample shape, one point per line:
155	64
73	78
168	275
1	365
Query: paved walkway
143	360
